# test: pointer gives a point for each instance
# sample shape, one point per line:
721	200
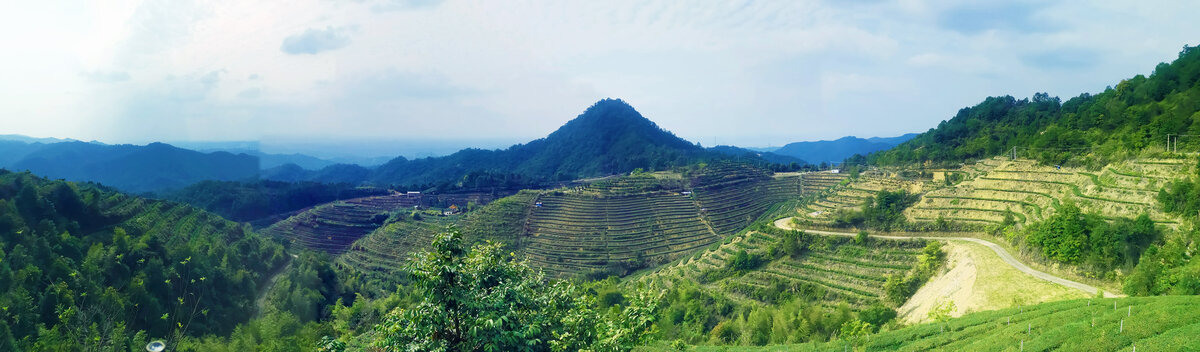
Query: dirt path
261	302
785	223
976	279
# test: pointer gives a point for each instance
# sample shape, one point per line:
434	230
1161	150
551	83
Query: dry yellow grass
976	279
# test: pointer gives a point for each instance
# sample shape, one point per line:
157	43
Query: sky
749	73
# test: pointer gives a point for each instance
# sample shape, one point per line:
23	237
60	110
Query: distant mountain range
151	168
840	149
610	137
765	153
131	168
268	160
28	139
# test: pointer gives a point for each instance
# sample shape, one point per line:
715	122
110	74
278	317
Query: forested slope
246	201
83	265
1137	113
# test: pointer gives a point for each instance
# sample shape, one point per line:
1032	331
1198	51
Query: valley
593	229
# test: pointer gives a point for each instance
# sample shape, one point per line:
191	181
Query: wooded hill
610	137
84	265
1094	129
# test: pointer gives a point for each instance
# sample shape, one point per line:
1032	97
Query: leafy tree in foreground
479	300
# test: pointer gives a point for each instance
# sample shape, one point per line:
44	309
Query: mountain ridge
841	148
131	168
609	137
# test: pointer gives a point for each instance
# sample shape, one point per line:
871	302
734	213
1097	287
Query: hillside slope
83	265
998	187
611	226
1135	114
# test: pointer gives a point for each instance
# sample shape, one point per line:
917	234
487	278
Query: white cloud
313	41
745	72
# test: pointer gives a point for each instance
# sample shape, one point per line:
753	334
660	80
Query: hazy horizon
347	149
750	74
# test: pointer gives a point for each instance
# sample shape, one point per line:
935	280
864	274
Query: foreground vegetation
1150	323
83	265
459	299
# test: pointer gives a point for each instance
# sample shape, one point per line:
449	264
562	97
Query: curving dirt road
261	301
785	223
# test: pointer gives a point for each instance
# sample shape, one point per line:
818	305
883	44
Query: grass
1041	194
1021	202
1149	323
1074	189
1097	180
1019	217
1002	285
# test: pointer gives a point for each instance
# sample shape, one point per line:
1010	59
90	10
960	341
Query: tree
861	238
1062	236
481	300
855	330
877	315
942	311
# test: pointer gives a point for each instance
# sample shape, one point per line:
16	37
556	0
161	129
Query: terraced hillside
333	227
381	255
1169	323
612	225
832	269
1027	192
609	226
629	223
572	232
851	194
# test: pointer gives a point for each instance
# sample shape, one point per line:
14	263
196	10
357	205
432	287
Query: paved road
1004	255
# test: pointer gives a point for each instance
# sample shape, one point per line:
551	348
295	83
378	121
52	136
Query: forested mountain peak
612	121
609	137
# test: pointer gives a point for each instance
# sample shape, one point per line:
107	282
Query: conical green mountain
609	137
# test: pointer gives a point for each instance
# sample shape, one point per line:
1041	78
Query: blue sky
751	73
